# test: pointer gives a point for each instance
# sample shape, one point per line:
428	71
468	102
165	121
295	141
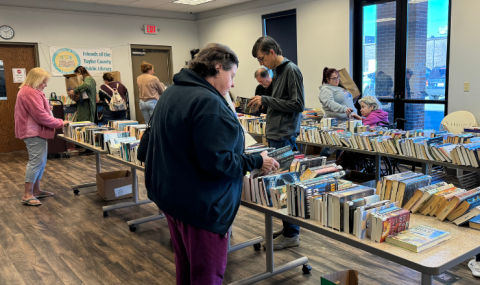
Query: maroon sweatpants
200	255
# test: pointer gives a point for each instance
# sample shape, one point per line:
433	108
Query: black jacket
286	103
195	162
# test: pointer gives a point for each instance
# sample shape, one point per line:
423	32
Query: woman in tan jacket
150	90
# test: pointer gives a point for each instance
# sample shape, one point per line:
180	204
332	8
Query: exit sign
150	29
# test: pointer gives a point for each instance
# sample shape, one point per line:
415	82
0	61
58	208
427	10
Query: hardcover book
277	180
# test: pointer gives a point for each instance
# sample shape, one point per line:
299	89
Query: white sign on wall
95	60
19	75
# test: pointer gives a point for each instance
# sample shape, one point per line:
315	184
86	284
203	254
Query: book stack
301	165
253	124
120	125
401	187
418	238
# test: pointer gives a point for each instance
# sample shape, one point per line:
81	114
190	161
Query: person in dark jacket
284	113
195	164
265	85
106	93
264	82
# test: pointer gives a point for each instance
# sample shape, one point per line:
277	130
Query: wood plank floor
67	240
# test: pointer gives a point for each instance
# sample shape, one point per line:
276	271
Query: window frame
400	101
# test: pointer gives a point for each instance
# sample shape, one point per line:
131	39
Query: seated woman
371	111
372	114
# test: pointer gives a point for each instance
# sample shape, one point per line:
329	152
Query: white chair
456	121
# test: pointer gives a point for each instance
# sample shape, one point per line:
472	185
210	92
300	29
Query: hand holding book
356	117
256	101
269	164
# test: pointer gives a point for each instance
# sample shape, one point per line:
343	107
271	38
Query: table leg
135	185
98	163
269	242
378	168
98	166
271	271
425	168
427	279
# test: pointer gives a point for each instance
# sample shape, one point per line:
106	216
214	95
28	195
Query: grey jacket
335	101
286	104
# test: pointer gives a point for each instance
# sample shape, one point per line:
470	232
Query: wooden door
160	57
12	56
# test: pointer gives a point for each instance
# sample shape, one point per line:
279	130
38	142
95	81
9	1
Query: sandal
45	194
29	202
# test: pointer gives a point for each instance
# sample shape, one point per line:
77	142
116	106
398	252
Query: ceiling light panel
192	2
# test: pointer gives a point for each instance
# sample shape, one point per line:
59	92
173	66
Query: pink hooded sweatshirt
32	115
374	117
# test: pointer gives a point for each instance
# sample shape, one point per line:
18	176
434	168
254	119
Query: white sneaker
282	242
474	267
277	233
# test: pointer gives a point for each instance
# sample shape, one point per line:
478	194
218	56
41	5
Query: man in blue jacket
284	114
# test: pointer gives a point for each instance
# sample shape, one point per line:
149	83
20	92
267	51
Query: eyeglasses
334	78
260	59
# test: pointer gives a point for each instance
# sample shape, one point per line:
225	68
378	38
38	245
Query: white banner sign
95	60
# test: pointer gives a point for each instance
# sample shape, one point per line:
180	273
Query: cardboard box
72	81
347	82
114	185
116	76
349	277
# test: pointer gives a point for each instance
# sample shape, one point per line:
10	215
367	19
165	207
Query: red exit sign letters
150	29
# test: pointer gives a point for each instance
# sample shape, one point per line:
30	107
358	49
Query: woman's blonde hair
35	77
371	101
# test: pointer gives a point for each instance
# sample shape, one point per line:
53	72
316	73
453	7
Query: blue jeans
37	158
147	108
289	230
112	116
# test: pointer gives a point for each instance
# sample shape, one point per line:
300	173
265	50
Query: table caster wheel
105	214
257	246
306	269
76	191
133	228
67	155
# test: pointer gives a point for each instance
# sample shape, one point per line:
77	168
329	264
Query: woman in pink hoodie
34	124
371	111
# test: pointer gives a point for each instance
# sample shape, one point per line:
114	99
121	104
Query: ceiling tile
115	2
205	7
82	1
172	7
148	3
165	5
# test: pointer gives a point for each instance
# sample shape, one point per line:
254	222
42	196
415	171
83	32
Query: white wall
76	29
464	57
322	40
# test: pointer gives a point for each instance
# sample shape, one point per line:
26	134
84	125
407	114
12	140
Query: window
282	26
401	56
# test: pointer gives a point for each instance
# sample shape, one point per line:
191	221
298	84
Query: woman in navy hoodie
195	164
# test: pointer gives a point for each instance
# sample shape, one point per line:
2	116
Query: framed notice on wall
19	75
